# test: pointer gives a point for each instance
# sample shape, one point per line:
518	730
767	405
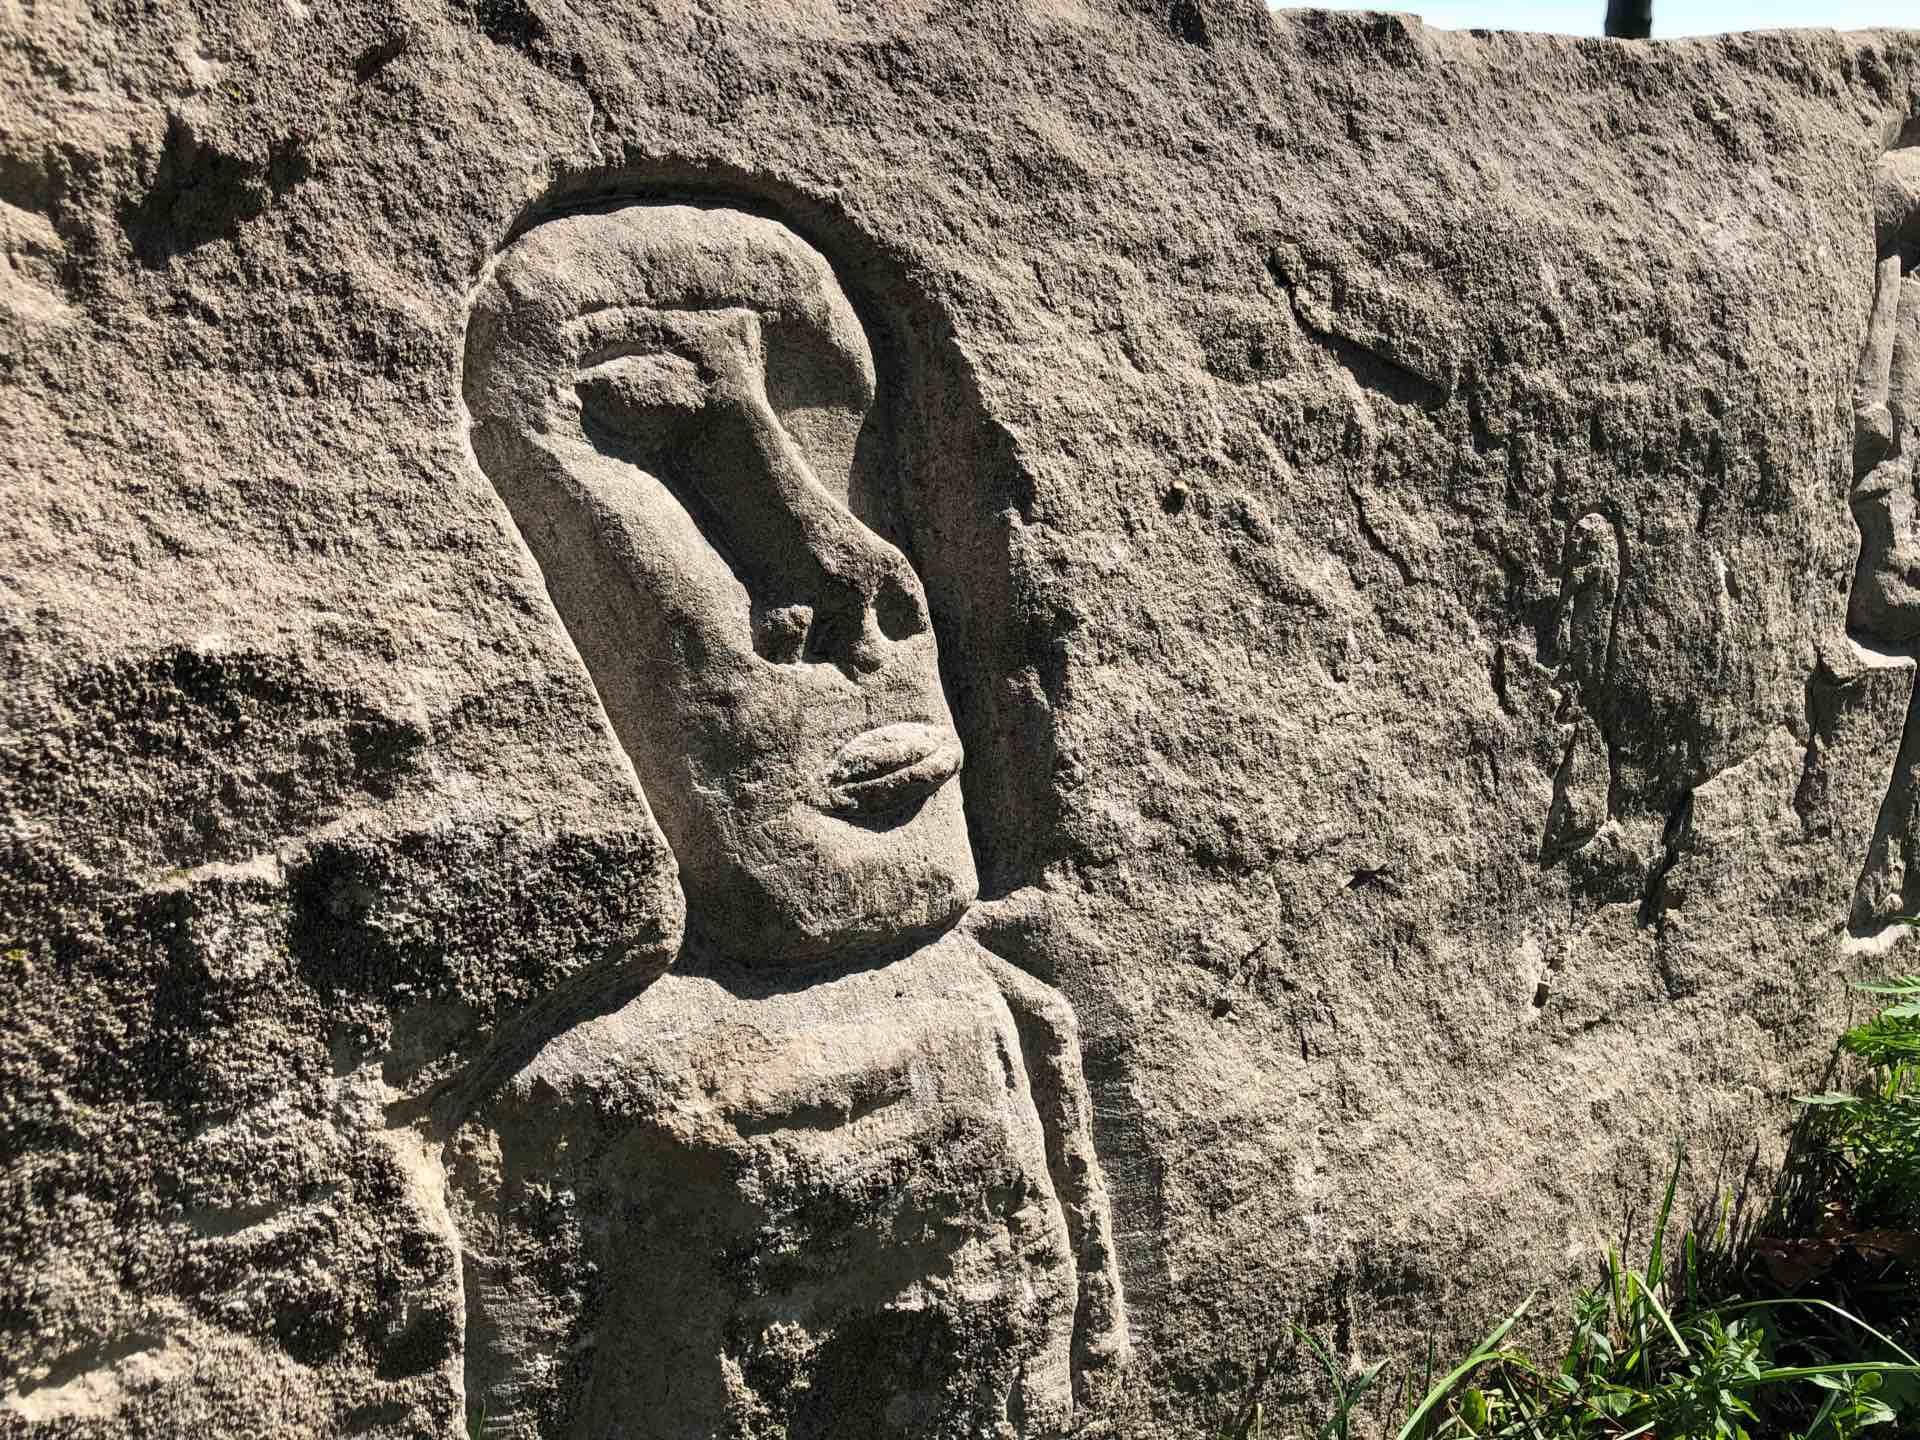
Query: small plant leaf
1898	985
1473	1409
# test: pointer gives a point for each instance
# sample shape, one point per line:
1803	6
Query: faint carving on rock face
1582	651
677	404
1884	608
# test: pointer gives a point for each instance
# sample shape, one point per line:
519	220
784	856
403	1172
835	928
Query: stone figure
833	1174
1883	607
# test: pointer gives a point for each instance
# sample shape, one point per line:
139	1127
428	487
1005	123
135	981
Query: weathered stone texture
1382	498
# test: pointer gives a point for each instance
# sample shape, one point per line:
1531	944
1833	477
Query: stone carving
1883	608
1419	856
1885	604
833	1174
1582	650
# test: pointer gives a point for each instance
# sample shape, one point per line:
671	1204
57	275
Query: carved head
677	404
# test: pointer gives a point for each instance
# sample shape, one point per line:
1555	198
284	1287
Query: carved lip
890	768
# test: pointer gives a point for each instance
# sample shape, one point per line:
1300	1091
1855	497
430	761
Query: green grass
1804	1331
1873	1130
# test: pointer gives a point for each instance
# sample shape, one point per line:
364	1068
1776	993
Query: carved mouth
891	768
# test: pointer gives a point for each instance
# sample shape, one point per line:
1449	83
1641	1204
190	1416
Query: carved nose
843	594
858	630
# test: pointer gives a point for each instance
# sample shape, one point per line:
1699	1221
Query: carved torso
785	1209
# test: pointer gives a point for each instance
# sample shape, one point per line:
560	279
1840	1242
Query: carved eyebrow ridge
650	335
603	358
703	307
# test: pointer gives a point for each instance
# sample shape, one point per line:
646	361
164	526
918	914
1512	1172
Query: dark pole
1630	19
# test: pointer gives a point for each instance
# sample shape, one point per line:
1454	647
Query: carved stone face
676	404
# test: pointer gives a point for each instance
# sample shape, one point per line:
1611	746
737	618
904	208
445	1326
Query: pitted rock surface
1412	524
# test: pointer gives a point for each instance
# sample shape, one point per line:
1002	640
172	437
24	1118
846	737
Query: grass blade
1833	1399
1482	1352
1812	1303
1807	1372
1655	1259
1333	1424
1659	1310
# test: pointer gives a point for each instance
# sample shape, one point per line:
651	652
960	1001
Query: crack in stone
1376	541
1371	369
1673	838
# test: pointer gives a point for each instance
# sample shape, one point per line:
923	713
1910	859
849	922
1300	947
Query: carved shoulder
1050	1049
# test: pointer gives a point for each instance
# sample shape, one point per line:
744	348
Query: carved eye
783	633
644	399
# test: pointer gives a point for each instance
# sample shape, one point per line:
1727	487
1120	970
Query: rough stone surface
1381	500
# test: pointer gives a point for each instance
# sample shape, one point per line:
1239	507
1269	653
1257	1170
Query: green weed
1779	1344
1873	1130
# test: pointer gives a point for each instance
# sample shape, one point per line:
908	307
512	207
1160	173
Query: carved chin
829	884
